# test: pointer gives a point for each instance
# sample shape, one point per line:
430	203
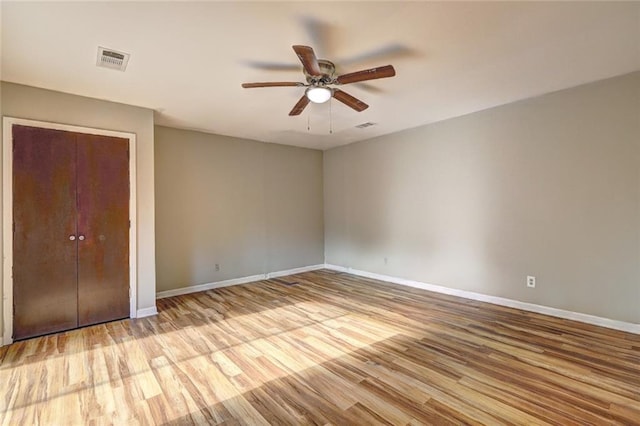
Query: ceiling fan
320	75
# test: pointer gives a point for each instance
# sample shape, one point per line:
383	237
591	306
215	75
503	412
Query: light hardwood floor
325	348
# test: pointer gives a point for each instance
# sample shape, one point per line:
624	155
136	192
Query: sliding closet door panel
44	244
103	229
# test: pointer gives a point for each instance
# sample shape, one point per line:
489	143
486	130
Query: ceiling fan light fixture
318	95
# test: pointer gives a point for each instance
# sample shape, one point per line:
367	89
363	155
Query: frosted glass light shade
318	95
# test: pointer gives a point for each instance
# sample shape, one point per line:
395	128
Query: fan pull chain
308	122
330	116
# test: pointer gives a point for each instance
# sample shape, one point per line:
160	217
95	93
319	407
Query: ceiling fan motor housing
328	70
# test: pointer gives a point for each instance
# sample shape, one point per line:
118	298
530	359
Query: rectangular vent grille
109	58
365	125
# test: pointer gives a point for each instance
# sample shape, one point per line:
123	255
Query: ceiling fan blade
272	66
390	52
308	59
370	74
271	84
349	100
300	106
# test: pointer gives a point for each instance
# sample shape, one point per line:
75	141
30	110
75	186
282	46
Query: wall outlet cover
531	281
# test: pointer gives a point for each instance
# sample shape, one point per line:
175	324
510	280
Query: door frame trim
7	212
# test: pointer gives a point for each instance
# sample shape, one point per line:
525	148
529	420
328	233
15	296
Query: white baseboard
560	313
146	312
235	281
293	271
208	286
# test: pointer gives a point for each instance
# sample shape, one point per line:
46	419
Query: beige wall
548	187
44	105
248	206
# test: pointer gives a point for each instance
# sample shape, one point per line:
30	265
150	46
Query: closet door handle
81	237
72	237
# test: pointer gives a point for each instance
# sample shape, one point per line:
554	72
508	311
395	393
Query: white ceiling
188	59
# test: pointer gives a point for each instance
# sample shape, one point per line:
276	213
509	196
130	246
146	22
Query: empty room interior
320	213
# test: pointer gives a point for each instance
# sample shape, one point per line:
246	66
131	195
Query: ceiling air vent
109	58
365	125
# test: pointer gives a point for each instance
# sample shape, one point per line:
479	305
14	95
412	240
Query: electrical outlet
531	281
217	267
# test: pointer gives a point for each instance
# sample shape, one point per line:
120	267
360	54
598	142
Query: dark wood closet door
103	229
44	215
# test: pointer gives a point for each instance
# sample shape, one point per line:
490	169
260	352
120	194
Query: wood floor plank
332	349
